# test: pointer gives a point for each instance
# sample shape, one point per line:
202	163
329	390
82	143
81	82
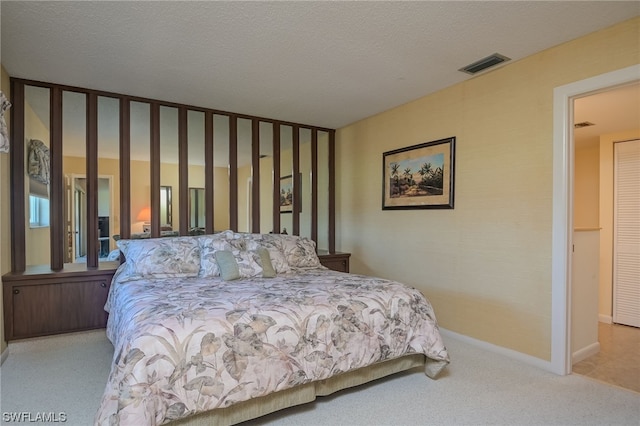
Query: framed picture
419	176
287	197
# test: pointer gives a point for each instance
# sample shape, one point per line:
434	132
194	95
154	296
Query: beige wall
605	299
586	187
486	265
5	212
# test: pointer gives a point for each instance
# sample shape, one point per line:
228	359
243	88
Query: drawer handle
344	263
16	291
103	285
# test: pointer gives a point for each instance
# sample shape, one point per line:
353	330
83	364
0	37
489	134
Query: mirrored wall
137	168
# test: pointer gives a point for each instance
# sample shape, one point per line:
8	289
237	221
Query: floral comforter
184	346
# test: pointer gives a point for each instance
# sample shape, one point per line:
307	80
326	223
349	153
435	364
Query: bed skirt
302	394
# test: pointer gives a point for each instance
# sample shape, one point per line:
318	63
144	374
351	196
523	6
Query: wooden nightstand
336	261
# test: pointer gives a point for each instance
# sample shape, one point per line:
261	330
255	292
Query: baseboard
510	353
607	319
585	352
4	355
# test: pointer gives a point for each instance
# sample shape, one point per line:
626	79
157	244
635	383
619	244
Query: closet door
626	233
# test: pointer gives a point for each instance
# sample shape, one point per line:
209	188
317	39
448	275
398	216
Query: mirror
323	190
108	177
266	177
304	190
220	203
166	207
286	171
196	211
244	175
140	181
36	127
169	175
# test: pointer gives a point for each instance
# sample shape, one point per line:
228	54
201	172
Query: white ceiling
615	110
321	63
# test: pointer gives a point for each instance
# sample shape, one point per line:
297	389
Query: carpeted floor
68	374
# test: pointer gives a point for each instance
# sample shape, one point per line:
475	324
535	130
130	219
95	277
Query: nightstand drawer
336	261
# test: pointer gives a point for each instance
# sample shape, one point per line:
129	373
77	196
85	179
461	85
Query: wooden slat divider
314	185
92	181
56	182
233	172
17	163
255	176
209	180
155	169
296	181
276	179
183	171
125	168
332	191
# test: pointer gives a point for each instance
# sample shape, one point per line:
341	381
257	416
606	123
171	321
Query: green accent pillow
227	264
265	261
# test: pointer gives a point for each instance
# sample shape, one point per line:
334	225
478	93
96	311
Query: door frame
562	222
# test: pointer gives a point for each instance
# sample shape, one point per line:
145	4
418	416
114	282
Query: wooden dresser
40	302
336	261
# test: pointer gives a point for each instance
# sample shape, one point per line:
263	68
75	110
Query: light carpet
68	374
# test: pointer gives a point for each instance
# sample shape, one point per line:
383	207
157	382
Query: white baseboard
585	352
607	319
4	355
510	353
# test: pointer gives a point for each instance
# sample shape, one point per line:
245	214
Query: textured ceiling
321	63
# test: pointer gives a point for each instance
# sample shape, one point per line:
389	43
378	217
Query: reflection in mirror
244	175
196	211
74	166
169	175
304	204
220	204
195	143
140	182
323	190
166	208
108	177
36	128
286	171
266	177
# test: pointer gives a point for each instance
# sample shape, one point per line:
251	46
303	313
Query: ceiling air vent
583	124
484	63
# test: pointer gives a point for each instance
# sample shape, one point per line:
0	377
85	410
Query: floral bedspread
188	345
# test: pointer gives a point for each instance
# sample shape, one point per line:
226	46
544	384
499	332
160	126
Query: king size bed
219	329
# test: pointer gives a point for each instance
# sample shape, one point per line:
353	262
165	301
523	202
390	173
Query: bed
219	329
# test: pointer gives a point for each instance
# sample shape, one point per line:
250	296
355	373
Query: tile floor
618	361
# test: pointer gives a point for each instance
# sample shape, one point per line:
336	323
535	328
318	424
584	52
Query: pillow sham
177	257
300	252
274	246
209	245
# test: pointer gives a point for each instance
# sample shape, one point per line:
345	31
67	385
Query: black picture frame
419	176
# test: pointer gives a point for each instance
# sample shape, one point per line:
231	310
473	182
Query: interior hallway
618	361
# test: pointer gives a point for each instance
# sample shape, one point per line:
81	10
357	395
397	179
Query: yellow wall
486	265
586	187
5	212
605	298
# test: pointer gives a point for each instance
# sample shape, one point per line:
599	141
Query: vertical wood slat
276	179
125	168
255	176
332	191
314	185
155	169
183	171
56	183
92	181
233	172
208	172
17	163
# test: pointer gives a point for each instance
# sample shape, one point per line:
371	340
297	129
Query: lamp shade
144	215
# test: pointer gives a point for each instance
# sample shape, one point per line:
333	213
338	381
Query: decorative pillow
300	252
234	264
227	264
161	257
209	245
268	270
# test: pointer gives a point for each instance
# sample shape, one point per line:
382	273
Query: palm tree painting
420	176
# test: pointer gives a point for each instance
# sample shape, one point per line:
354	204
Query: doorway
76	217
563	186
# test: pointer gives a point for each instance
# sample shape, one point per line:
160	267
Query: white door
626	233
